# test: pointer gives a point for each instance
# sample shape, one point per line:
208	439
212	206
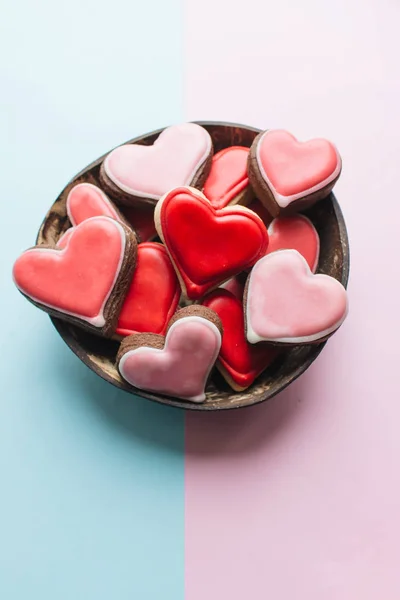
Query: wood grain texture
99	354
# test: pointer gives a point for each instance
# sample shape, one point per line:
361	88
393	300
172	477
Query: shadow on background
251	429
134	417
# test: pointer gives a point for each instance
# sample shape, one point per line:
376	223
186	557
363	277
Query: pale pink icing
182	367
172	161
287	303
86	200
294	169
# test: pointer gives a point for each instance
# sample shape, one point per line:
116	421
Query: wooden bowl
99	354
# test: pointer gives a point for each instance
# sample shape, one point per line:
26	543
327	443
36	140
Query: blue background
91	493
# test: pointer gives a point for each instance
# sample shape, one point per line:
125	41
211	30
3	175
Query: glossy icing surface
297	233
182	367
151	171
228	176
294	169
153	295
208	246
78	278
287	303
86	200
242	361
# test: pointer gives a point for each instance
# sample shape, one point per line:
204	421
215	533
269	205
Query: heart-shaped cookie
207	246
153	295
228	182
286	303
239	362
296	233
86	200
179	364
181	155
85	280
289	175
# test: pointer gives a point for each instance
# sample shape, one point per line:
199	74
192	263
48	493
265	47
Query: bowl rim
64	330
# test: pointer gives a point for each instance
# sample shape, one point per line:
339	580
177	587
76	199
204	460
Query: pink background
299	498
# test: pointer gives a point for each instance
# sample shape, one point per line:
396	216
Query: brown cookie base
264	193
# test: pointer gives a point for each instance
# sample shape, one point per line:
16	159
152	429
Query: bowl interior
99	354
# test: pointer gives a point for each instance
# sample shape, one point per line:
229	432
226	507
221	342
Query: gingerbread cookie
285	303
153	295
239	362
296	233
84	281
176	365
288	175
207	246
228	182
181	155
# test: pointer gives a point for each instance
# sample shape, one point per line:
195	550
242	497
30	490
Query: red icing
293	167
261	211
243	361
78	279
153	295
207	245
141	219
85	201
297	233
228	176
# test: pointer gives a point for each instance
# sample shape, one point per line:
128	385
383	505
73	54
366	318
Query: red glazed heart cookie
207	246
239	362
153	295
297	233
179	364
286	303
181	155
228	182
288	175
85	281
86	200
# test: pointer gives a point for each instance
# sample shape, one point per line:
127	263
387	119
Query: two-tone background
105	496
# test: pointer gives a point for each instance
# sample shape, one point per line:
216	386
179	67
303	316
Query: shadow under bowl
99	354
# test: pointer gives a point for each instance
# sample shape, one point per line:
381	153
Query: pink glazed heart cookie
179	364
85	280
296	233
285	303
288	175
228	182
181	155
86	200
